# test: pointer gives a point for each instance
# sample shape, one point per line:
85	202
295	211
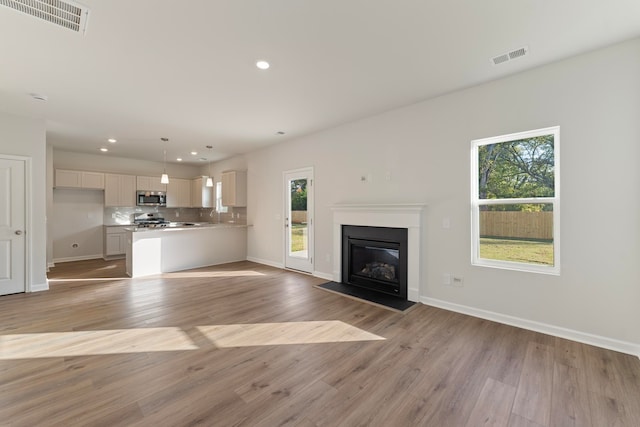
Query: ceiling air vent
66	14
510	56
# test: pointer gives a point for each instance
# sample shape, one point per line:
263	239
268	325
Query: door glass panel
298	229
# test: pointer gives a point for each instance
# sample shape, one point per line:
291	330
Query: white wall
77	217
594	98
21	136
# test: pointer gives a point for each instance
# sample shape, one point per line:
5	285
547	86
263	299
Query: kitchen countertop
178	226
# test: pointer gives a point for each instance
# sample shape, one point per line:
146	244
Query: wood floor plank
570	403
493	407
609	411
119	361
533	397
517	421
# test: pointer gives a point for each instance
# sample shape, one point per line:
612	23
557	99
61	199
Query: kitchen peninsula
162	250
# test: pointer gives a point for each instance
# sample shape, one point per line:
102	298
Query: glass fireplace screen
375	263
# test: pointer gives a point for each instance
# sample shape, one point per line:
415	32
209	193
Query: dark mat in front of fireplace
385	300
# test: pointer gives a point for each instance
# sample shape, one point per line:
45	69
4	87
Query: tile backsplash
124	215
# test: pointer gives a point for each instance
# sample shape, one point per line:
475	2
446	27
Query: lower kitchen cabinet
115	241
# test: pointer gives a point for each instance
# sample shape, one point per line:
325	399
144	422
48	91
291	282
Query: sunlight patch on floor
142	340
260	334
83	343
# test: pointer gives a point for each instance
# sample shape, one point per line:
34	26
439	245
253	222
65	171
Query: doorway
12	226
298	188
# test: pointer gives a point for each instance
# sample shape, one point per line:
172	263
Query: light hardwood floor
247	345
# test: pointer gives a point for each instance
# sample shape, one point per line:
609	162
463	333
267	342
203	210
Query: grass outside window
298	237
514	250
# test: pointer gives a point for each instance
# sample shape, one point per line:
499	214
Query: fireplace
375	258
404	216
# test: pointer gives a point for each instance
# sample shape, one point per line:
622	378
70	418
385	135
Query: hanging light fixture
164	179
209	182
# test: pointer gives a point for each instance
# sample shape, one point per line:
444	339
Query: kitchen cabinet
79	179
234	188
150	183
179	193
201	195
119	190
115	241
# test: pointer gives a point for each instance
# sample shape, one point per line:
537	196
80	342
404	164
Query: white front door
298	188
12	226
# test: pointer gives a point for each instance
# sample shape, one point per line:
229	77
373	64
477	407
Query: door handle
18	232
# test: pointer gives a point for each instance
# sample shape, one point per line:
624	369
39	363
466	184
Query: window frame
476	202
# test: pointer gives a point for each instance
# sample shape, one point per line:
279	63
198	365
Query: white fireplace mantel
407	216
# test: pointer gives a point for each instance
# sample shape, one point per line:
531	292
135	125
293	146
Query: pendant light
209	178
164	179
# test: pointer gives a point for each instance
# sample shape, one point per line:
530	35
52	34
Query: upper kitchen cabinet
179	193
234	188
119	190
201	195
150	183
79	179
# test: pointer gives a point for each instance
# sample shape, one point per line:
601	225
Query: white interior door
298	188
12	226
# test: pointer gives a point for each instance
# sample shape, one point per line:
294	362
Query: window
219	207
515	201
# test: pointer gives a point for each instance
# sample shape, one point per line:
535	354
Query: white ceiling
185	70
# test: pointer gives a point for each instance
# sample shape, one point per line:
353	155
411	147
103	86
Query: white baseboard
570	334
266	262
321	275
51	264
77	258
39	287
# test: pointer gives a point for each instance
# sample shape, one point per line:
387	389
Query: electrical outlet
177	214
458	281
446	279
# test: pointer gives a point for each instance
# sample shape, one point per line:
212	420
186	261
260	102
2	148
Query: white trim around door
298	219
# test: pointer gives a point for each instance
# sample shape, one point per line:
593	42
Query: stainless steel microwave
151	198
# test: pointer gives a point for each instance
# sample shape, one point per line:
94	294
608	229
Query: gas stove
149	220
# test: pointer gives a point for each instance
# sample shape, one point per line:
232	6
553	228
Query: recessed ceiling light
104	150
179	159
194	153
263	65
112	140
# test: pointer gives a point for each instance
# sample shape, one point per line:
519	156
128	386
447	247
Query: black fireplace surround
375	258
